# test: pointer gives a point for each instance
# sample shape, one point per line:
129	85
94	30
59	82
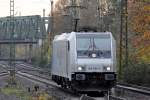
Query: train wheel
107	95
74	90
63	85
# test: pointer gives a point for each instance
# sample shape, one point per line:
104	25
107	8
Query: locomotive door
67	57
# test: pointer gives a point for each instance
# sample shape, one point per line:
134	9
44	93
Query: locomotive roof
65	36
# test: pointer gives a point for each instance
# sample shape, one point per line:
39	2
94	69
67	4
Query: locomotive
84	61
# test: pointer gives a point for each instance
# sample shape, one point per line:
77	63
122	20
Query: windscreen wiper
90	46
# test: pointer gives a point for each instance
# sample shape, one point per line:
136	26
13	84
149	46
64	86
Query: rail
49	82
3	74
134	88
115	98
85	97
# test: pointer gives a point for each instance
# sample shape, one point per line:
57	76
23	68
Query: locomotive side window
100	47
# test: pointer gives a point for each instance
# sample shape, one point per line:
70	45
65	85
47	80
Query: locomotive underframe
83	81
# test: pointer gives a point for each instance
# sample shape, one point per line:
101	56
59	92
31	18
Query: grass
18	92
23	95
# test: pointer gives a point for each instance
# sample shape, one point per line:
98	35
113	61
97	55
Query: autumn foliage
139	11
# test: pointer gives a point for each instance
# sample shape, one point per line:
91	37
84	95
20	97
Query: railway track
27	68
44	80
54	85
47	83
128	87
56	90
134	88
36	78
111	97
3	74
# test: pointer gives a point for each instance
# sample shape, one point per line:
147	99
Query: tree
61	20
139	12
88	15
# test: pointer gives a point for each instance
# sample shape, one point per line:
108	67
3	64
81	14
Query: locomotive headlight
94	55
79	68
108	68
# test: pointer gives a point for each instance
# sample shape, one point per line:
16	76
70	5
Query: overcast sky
26	7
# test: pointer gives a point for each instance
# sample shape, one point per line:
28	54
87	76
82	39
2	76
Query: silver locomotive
84	61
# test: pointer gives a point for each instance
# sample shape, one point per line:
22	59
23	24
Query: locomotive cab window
93	46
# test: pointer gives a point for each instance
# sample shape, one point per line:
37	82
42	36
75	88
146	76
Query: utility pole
42	40
52	22
43	13
0	50
123	36
100	19
126	33
74	12
12	45
30	52
120	47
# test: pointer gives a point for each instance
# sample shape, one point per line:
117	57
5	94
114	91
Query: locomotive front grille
82	81
109	77
80	77
94	76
